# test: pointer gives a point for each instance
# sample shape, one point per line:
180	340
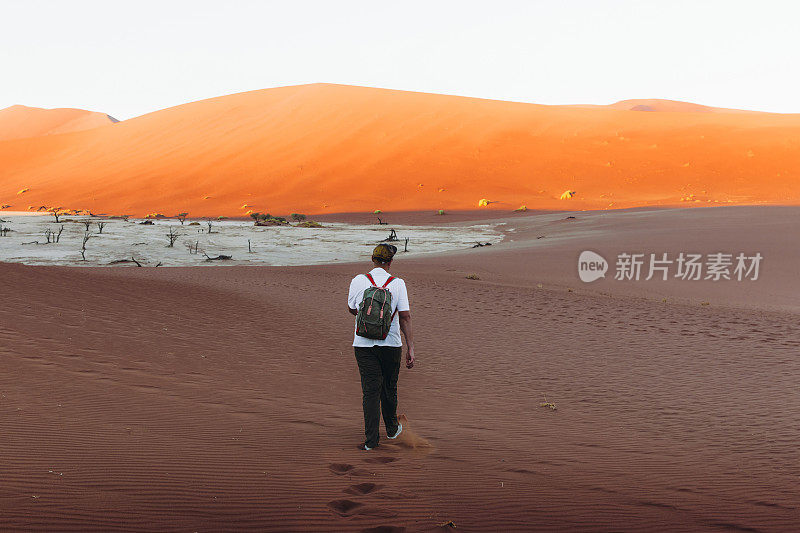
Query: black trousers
379	367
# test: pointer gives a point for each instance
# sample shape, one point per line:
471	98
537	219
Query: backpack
375	315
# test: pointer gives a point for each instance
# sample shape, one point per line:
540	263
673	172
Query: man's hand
405	327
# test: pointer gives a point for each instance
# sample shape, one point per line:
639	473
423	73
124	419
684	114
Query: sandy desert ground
325	148
185	399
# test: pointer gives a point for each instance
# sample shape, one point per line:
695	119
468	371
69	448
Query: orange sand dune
334	148
19	121
661	105
675	106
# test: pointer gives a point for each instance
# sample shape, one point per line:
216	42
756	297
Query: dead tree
192	247
56	212
131	260
100	226
210	223
87	223
53	236
86	237
405	248
392	237
4	230
218	258
181	217
172	236
381	222
249	249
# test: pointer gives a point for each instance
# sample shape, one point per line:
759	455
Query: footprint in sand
344	507
362	489
341	468
344	469
348	508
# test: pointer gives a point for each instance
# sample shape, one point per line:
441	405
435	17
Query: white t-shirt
397	287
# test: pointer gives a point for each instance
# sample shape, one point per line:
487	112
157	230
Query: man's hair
383	253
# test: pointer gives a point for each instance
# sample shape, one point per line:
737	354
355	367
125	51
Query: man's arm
352	294
408	333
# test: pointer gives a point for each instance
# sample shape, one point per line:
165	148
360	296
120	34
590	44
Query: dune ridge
326	148
19	121
671	106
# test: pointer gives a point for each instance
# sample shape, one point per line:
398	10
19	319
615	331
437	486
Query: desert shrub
440	212
310	224
297	217
473	276
266	220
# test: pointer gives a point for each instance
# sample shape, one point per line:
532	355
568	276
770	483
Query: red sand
333	148
17	122
193	399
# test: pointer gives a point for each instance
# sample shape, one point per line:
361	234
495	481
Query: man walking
380	303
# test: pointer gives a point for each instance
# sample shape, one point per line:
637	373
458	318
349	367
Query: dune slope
172	399
19	121
334	148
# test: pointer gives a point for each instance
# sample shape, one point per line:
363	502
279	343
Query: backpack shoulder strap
369	277
385	285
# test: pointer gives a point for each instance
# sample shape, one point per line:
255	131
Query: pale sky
130	58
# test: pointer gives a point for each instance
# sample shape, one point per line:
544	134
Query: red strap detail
388	281
369	277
